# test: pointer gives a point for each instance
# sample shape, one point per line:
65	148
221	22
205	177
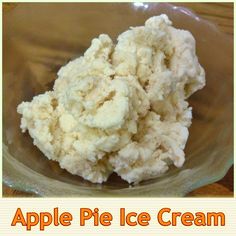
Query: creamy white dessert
121	107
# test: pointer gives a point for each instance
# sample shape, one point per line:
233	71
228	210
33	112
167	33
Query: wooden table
222	15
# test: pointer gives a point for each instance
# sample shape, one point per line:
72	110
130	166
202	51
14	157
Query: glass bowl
38	38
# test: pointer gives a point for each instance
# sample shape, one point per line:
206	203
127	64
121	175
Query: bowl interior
39	38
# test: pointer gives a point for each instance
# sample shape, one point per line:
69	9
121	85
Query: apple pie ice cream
120	107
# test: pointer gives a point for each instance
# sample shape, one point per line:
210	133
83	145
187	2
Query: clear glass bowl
39	38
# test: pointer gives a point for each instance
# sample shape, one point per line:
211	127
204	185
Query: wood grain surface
222	15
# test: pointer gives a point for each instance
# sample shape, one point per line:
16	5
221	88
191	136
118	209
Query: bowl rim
40	191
